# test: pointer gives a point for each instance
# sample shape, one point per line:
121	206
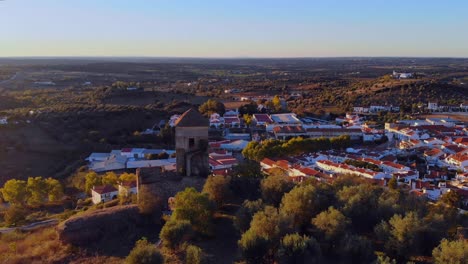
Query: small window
191	142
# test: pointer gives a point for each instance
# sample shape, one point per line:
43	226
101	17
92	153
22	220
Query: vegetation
196	208
212	106
455	252
144	253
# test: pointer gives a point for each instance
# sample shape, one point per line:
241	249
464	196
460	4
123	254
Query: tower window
191	142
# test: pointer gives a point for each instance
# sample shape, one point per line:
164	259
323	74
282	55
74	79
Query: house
113	162
459	160
261	119
3	121
286	119
284	132
218	162
127	188
353	133
104	193
216	120
237	145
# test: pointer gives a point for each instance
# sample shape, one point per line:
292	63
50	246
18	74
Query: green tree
195	207
275	186
212	106
110	179
270	224
174	233
402	235
37	188
15	191
276	101
127	177
247	119
144	253
54	189
356	249
294	248
91	180
193	255
451	198
245	214
301	203
15	215
393	183
360	204
453	252
254	247
218	189
332	223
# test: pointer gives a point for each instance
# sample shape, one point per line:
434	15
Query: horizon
263	29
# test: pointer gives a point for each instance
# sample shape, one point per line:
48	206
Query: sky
241	28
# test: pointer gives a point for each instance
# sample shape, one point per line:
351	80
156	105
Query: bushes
193	255
144	253
174	233
278	148
455	252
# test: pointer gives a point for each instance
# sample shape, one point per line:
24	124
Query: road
29	227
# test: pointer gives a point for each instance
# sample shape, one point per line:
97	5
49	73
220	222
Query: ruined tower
191	141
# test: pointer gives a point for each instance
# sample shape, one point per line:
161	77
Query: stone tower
191	141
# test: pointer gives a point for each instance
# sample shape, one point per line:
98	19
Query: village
428	157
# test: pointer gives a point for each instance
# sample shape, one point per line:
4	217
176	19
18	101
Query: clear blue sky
234	28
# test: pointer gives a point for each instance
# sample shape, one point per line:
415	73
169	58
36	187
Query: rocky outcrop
115	223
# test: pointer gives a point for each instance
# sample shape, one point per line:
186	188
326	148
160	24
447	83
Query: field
87	106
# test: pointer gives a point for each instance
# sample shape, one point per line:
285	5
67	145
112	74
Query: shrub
175	232
143	253
193	255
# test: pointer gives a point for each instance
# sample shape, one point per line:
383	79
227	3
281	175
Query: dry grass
40	246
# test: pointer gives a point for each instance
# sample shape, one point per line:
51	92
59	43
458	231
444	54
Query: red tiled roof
288	129
268	161
129	184
104	189
263	118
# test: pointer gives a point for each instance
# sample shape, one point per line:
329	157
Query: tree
276	101
217	188
332	223
212	106
275	186
301	203
195	207
37	188
175	232
451	198
360	204
54	189
271	224
15	192
110	179
193	255
356	249
14	215
393	183
402	235
91	180
247	119
127	177
254	247
245	213
144	253
453	252
294	247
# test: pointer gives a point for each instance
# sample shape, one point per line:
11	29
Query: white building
105	193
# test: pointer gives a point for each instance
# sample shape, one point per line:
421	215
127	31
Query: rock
114	223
